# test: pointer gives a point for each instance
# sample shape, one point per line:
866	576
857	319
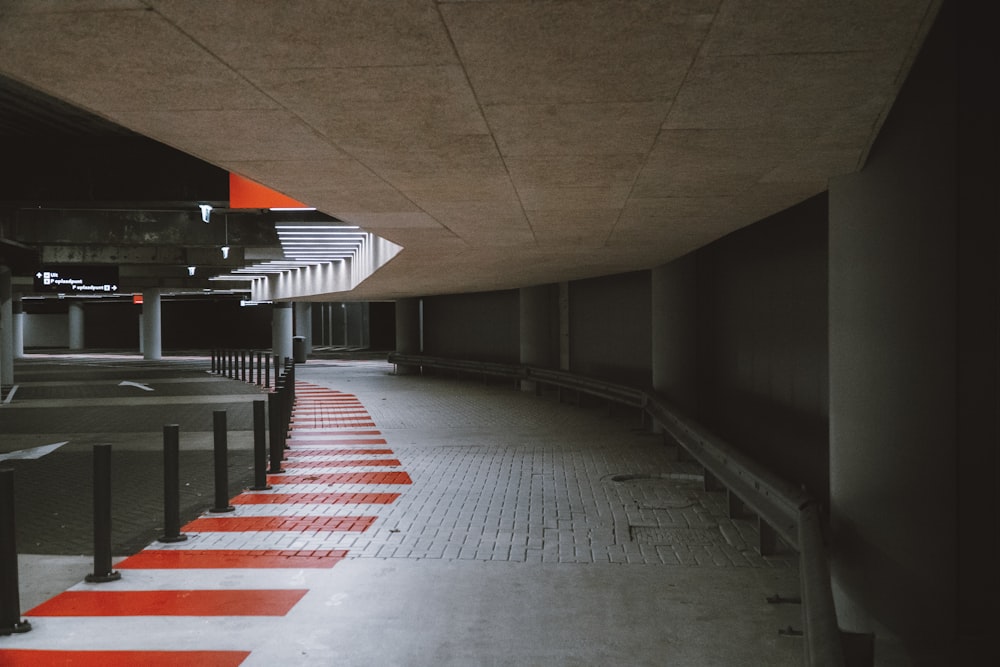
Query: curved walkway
423	521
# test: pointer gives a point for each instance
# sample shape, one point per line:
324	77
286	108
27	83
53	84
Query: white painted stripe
10	396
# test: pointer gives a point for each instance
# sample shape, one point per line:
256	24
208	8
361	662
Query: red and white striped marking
340	472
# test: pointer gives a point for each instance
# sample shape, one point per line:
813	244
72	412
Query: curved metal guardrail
786	509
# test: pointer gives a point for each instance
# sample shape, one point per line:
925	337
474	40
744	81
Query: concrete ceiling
503	143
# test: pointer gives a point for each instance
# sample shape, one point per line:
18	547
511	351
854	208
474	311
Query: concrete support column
564	332
304	323
18	328
76	325
913	345
538	328
408	331
6	329
675	332
152	345
281	331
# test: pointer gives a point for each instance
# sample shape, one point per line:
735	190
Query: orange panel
244	193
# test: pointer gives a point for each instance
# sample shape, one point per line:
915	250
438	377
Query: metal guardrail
787	510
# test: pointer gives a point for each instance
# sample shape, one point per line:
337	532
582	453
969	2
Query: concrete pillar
281	331
76	325
538	328
6	329
152	345
408	328
913	265
564	332
18	328
674	332
304	323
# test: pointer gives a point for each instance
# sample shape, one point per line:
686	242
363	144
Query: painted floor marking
47	658
343	478
268	498
171	603
332	443
313	450
162	559
350	463
247	524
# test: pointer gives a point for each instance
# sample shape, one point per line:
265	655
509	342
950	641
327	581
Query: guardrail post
221	463
102	518
171	485
10	600
737	508
768	537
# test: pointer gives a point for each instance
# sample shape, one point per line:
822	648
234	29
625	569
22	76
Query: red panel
164	559
40	658
309	498
170	603
244	524
244	193
343	478
291	465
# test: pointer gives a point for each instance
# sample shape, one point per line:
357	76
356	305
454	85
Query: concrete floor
533	533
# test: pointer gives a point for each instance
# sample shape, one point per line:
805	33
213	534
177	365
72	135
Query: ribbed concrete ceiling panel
501	143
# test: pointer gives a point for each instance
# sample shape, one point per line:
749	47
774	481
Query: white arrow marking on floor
33	453
129	383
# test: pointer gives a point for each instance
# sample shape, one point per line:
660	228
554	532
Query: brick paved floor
517	530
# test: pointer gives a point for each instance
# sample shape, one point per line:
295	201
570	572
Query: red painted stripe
295	452
338	433
47	658
170	603
265	498
343	478
319	440
164	559
305	465
243	524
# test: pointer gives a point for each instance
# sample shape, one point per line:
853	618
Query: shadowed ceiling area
501	144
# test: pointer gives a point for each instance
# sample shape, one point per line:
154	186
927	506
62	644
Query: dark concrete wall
609	328
480	326
762	341
186	324
913	352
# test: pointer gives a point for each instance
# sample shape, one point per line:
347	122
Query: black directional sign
77	279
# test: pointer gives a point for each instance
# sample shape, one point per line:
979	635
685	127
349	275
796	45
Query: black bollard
243	365
221	464
267	369
171	485
274	422
213	359
10	596
259	449
102	518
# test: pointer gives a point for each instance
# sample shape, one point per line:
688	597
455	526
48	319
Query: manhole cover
666	536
